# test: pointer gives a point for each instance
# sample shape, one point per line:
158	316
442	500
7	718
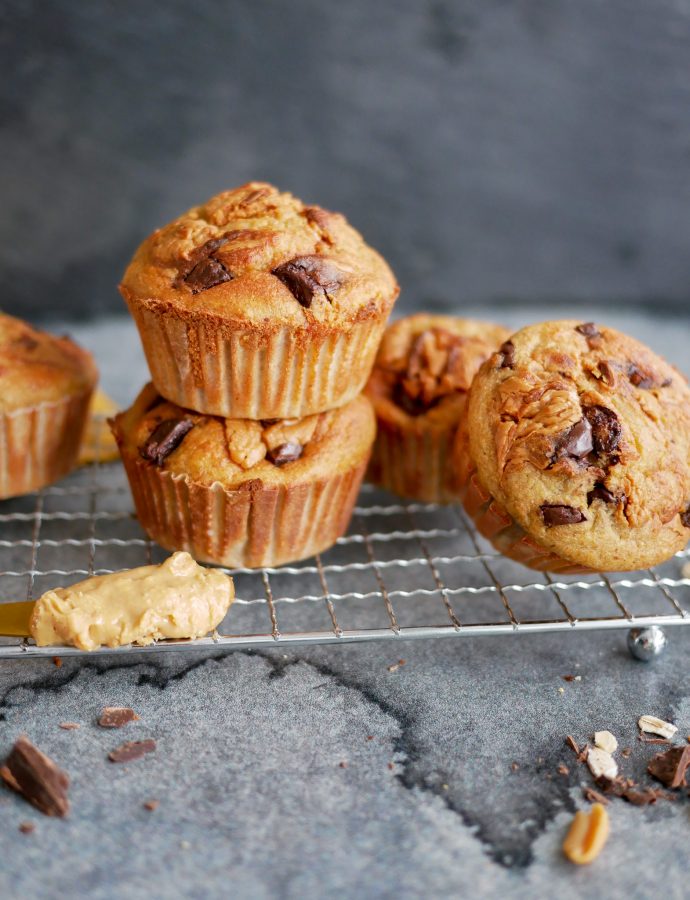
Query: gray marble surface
320	773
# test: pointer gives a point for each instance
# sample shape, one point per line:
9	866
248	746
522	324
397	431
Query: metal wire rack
404	570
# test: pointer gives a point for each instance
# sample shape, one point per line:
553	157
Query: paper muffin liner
245	374
496	524
40	444
414	465
260	525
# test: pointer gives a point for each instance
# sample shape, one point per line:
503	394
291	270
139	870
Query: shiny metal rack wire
404	570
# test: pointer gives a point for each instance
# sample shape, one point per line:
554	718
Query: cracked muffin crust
46	384
255	305
243	493
575	452
419	386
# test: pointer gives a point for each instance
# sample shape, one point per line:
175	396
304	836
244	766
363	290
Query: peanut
587	835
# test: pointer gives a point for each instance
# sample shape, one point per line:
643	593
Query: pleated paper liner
40	444
246	374
414	464
251	527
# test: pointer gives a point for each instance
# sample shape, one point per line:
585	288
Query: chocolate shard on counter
37	778
131	750
670	768
117	716
164	438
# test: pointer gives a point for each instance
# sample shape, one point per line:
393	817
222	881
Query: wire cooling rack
404	570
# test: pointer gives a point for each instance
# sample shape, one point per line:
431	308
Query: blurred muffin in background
419	385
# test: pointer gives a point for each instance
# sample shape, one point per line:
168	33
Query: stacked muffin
260	318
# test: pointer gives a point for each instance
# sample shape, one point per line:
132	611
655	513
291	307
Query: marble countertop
318	772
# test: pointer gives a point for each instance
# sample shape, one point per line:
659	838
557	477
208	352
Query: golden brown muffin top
257	256
425	366
239	453
583	435
37	367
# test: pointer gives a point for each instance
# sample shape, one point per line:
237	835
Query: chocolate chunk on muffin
255	305
419	386
576	455
46	384
238	492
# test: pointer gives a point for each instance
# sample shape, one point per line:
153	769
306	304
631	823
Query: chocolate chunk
685	517
606	429
285	453
307	277
413	406
592	333
670	768
667	382
207	274
599	492
640	379
131	750
165	438
117	716
607	372
35	776
576	441
507	351
559	514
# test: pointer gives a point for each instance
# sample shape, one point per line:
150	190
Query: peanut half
587	835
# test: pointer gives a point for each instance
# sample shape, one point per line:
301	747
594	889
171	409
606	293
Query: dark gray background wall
512	151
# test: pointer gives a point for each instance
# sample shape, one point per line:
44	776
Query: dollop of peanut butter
177	599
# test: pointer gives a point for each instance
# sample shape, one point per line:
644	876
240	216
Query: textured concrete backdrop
515	150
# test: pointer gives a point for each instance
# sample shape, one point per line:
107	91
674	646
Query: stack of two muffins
260	319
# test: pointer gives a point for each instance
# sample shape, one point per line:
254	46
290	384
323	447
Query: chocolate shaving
165	438
27	827
559	514
606	429
309	277
592	333
670	768
117	716
507	354
151	805
36	777
69	726
285	453
562	769
592	796
131	750
640	379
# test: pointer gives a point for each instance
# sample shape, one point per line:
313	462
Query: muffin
243	493
256	306
574	454
45	388
419	385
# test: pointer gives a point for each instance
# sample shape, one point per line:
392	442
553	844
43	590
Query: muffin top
242	453
37	367
425	366
583	435
257	256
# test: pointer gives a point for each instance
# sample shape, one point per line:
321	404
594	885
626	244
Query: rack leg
646	643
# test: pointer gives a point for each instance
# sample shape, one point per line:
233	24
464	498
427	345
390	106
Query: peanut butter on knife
176	599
